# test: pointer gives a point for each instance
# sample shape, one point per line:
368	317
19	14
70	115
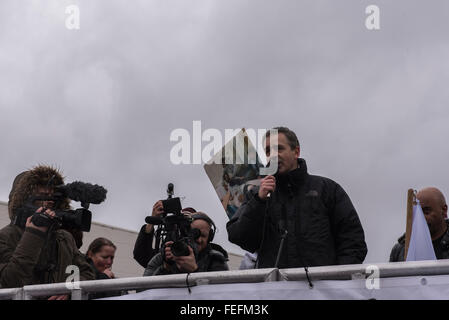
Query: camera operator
31	252
145	247
209	257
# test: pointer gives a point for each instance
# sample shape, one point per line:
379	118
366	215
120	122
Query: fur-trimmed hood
26	182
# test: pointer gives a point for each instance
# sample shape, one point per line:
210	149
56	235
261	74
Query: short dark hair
292	139
98	243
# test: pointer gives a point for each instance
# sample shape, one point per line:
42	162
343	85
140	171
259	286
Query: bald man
434	207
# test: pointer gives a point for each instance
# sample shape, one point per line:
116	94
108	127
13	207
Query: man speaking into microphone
295	219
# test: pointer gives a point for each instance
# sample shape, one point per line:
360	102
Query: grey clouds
369	107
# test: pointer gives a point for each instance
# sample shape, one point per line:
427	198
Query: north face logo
312	193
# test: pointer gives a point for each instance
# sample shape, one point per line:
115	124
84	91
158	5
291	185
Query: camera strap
46	264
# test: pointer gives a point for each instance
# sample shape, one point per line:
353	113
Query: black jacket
101	276
323	226
398	250
212	258
143	248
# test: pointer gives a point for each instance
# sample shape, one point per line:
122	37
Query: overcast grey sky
369	107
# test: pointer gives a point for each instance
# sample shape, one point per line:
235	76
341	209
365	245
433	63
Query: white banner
402	288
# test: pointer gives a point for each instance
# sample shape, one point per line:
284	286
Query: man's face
434	211
204	228
287	157
42	191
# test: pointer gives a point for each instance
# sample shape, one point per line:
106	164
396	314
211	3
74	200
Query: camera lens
180	248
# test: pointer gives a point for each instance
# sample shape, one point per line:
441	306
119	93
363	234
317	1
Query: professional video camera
174	226
80	218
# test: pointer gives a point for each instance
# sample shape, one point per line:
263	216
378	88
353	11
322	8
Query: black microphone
83	192
170	190
153	220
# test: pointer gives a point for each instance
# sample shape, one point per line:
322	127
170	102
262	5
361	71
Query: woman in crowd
101	254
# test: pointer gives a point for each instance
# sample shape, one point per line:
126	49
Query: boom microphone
83	192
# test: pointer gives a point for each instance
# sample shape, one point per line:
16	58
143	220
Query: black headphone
205	217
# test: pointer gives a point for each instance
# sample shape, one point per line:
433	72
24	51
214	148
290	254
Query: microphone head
170	191
83	192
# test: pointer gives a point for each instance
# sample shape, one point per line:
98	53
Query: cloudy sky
369	106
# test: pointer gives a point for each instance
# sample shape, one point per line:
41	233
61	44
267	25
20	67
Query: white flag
420	246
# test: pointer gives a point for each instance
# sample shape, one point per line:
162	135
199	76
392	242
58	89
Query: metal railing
81	290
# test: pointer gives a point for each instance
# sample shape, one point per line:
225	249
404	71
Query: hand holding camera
185	263
47	214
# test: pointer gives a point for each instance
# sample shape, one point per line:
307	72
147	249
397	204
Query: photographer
32	252
145	247
209	256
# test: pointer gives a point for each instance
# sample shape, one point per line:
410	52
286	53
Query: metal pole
341	272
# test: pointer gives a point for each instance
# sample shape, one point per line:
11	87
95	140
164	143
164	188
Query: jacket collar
212	247
445	237
294	177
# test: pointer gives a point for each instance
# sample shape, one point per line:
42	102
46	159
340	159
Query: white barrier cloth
399	288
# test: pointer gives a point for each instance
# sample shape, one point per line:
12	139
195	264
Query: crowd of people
293	219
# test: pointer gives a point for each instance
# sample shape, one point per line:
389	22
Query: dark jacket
143	248
323	226
442	252
29	256
212	258
101	276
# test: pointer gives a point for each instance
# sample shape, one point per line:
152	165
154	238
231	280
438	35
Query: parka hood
26	182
